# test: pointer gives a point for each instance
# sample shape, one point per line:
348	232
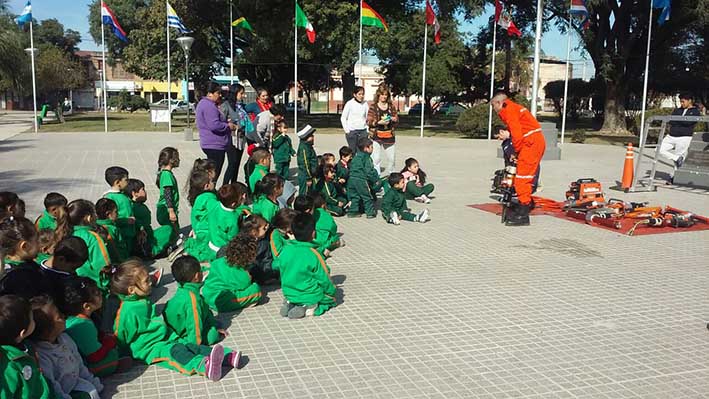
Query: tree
578	91
57	73
14	62
616	43
51	31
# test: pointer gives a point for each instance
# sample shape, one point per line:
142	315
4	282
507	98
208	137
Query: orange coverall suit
528	142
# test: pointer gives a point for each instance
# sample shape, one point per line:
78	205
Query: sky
74	15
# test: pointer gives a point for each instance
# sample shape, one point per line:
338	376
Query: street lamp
186	43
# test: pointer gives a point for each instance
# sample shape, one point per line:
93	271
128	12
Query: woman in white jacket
354	118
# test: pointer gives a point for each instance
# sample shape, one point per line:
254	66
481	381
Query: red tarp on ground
626	224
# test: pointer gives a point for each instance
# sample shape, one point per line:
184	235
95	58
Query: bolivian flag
372	18
243	23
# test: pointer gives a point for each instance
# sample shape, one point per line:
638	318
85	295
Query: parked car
450	108
290	107
175	106
415	109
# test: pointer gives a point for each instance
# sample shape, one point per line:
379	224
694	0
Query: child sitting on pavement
261	160
394	207
54	203
228	286
326	186
415	180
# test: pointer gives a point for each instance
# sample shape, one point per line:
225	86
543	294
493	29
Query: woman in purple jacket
215	132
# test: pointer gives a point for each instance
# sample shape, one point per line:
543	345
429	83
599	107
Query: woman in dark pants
233	110
215	132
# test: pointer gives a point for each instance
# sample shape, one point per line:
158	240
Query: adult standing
354	118
675	145
215	131
382	119
262	103
233	110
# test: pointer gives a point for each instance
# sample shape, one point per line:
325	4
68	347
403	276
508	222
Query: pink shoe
233	359
213	364
155	277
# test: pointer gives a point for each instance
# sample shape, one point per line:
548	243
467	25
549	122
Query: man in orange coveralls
528	142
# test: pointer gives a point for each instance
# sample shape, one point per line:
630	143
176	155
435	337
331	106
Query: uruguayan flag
174	21
26	15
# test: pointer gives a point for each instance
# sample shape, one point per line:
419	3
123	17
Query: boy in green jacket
282	149
342	170
305	277
228	286
326	236
117	178
335	204
307	160
149	242
187	313
53	205
261	159
21	377
224	218
394	207
107	213
363	180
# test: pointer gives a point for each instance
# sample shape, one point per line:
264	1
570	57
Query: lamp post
186	43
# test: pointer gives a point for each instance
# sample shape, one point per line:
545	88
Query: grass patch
117	122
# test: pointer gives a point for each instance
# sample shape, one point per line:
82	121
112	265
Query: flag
243	23
302	21
578	9
174	21
108	18
372	18
666	6
503	19
26	15
432	20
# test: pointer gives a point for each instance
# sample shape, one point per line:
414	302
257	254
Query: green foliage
125	101
57	73
51	32
14	70
474	121
578	92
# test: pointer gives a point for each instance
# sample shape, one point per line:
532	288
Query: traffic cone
627	180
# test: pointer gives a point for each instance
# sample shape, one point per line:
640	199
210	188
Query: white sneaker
421	199
394	218
423	217
426	200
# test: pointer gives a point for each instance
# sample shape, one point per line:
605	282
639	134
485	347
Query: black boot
509	211
520	217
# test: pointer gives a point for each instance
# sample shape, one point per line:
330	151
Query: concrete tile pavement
458	307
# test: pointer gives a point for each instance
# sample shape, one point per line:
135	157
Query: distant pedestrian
674	146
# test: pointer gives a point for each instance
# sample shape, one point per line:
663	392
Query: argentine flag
174	21
26	15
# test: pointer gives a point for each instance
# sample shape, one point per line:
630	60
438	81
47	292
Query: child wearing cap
307	160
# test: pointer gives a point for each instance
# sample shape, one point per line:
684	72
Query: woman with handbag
382	119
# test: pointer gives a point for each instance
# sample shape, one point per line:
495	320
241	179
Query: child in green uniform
224	218
415	180
326	186
342	170
117	178
268	189
149	242
261	159
169	202
394	207
54	203
187	313
203	199
59	357
228	286
305	277
326	235
280	234
82	298
21	377
307	160
19	243
144	335
107	214
362	181
282	149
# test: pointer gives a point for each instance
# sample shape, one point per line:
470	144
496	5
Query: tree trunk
508	63
614	108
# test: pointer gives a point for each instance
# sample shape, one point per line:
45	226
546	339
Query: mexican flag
302	21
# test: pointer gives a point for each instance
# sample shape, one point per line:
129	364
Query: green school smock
305	277
98	254
125	213
83	331
223	226
259	172
198	246
229	288
46	221
188	314
307	165
325	230
362	168
158	239
395	201
143	334
117	249
21	377
282	148
331	196
277	240
264	207
167	179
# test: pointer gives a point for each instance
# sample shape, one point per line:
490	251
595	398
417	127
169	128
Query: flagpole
537	49
169	82
647	64
423	75
34	83
231	42
295	75
103	76
360	44
566	78
492	78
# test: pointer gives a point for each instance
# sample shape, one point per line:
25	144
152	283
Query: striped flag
243	23
108	18
301	20
174	21
372	18
26	15
504	20
432	20
579	10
